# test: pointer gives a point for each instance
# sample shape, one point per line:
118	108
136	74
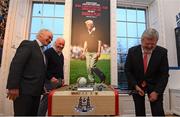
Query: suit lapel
39	51
140	59
151	61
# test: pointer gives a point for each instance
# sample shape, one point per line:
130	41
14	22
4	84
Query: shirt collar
92	30
56	51
143	51
39	43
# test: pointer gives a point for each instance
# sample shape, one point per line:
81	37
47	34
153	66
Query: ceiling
144	2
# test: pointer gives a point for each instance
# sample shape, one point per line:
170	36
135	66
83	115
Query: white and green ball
81	81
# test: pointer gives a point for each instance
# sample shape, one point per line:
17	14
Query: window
131	22
47	15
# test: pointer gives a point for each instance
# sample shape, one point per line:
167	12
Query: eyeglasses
49	37
60	46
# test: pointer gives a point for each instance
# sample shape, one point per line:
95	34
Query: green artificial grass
78	69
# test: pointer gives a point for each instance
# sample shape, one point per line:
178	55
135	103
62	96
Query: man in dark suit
55	70
147	70
27	74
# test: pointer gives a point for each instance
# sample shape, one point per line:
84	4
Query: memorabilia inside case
83	99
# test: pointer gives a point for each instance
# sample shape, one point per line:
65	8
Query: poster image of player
90	41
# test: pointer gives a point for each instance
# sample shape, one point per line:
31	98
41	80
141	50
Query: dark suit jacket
156	75
27	70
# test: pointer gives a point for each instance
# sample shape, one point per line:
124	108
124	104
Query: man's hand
139	90
82	55
62	82
54	80
153	96
143	84
12	94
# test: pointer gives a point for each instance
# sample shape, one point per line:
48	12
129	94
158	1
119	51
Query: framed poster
90	41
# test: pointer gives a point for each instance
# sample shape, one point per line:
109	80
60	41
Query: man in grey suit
27	74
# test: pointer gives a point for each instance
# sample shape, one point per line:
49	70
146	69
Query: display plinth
69	101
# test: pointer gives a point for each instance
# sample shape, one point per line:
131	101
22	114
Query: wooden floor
128	115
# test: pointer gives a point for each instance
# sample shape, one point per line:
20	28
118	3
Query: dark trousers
26	105
156	107
43	106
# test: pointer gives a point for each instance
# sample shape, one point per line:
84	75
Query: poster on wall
4	5
90	41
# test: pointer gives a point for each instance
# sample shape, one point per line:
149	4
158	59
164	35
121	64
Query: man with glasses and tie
27	74
55	72
147	70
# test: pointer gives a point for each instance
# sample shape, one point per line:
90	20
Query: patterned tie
145	60
42	50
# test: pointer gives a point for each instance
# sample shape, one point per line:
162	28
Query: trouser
91	61
26	105
156	106
43	106
99	74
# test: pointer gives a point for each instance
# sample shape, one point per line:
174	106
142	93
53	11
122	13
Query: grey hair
150	33
41	31
89	22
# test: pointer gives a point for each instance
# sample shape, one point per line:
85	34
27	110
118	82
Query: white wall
162	16
170	9
174	79
16	31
